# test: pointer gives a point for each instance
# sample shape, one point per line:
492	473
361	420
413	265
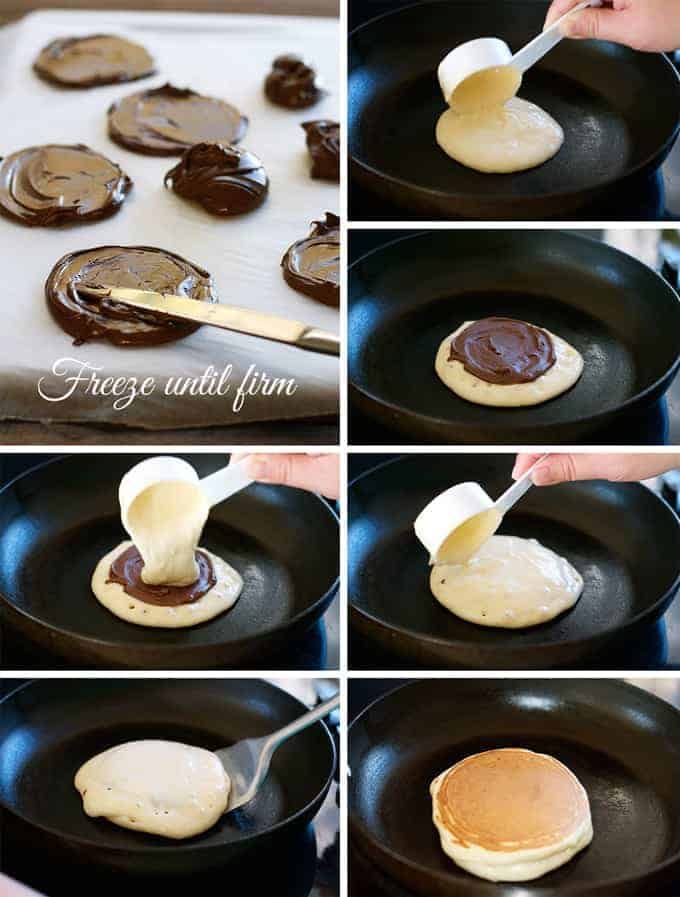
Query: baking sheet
220	55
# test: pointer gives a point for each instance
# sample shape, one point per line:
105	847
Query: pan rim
604	184
180	846
514	650
479	887
594	419
169	649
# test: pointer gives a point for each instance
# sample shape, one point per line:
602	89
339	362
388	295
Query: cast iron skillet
407	296
59	519
621	742
620	111
623	540
49	728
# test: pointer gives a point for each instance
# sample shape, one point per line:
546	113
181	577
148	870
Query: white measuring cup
216	487
492	59
455	524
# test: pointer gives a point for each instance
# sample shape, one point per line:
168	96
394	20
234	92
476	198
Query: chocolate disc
127	568
504	351
292	83
225	180
323	143
139	267
45	186
90	61
312	266
166	121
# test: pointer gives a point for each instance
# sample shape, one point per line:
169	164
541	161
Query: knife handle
317	340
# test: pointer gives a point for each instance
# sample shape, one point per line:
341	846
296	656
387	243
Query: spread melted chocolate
46	186
292	83
127	568
225	180
323	143
94	60
165	121
503	351
140	267
312	265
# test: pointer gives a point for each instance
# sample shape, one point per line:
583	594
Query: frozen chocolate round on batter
225	180
93	60
312	266
139	267
292	83
166	121
323	143
46	186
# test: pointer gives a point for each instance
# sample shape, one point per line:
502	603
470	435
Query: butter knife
228	317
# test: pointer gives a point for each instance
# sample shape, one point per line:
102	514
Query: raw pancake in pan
46	186
93	60
161	787
510	583
141	267
518	382
212	600
510	814
501	140
167	120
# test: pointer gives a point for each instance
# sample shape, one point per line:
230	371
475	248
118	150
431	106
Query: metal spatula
227	317
247	762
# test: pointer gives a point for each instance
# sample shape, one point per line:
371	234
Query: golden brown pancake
510	814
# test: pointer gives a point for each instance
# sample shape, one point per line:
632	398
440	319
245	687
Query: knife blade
227	317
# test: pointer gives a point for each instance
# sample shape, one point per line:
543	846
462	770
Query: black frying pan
49	728
407	296
58	520
622	538
622	743
620	111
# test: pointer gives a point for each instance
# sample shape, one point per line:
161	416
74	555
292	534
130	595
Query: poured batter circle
218	599
160	787
510	583
564	373
502	139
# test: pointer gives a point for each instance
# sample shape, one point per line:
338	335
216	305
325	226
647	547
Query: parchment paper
224	56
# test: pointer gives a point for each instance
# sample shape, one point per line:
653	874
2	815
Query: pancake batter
509	583
502	362
160	787
510	814
500	139
159	578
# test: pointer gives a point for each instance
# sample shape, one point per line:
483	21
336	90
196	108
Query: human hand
651	25
10	888
565	468
316	473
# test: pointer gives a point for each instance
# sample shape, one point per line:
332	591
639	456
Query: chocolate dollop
292	83
312	265
127	568
139	267
93	60
323	143
166	121
46	186
224	179
503	351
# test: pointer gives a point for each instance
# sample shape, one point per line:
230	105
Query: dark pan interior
51	727
622	743
57	521
394	102
406	297
623	540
